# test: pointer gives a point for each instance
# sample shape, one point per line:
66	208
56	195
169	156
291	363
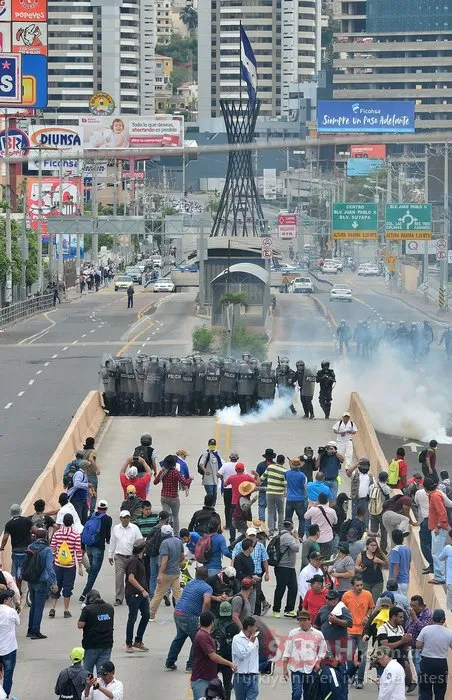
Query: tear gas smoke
267	411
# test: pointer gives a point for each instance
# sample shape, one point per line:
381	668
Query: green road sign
408	221
354	221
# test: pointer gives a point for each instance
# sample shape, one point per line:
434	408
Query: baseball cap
346	413
317	578
102	504
132	473
332	595
77	654
343	547
233	456
107	667
251	531
247	583
166	530
315	555
385	600
139	545
239	467
131	489
230	572
124	514
331	443
225	609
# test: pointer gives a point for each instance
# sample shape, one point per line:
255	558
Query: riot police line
142	385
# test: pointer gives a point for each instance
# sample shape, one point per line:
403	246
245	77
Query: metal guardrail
22	309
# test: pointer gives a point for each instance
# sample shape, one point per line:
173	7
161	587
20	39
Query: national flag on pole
248	66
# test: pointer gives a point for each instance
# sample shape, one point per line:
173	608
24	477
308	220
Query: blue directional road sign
10	78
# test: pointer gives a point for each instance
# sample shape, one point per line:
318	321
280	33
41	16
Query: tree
183	51
189	17
240	298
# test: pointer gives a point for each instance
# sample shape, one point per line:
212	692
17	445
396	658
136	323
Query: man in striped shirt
276	489
67	549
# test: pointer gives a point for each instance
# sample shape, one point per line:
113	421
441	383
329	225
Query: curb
413	306
321	281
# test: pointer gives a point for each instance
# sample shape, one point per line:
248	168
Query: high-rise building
285	36
406	56
104	45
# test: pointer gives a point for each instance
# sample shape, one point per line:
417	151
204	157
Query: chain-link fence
21	309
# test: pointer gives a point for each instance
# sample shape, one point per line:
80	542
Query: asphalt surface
49	363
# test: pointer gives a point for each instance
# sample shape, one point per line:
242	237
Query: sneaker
170	667
167	601
140	646
428	570
52	612
82	598
290	613
265	608
67	614
129	649
118	602
276	614
152	618
188	669
359	685
37	635
411	687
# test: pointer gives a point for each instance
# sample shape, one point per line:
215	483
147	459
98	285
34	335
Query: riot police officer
358	337
343	334
255	365
307	392
415	340
153	387
110	380
446	338
212	387
327	379
186	405
141	362
228	383
266	382
133	396
402	336
173	386
199	385
285	381
245	387
427	337
246	357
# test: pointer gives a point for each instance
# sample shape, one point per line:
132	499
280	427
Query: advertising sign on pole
355	221
351	116
163	130
269	183
29	37
287	225
408	221
413	247
362	167
60	141
51	193
371	150
28	10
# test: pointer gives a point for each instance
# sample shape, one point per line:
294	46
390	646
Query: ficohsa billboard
119	133
57	144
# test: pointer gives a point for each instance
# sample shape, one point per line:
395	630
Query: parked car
122	282
340	292
329	267
302	285
164	285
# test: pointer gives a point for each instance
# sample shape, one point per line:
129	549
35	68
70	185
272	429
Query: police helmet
325	364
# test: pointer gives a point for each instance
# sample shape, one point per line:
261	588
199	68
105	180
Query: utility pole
287	180
9	255
24	251
442	301
94	210
426	196
40	277
115	203
201	253
60	276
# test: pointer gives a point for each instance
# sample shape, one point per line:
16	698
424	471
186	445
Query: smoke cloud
267	411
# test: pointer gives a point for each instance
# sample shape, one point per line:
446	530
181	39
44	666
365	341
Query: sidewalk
44	659
416	301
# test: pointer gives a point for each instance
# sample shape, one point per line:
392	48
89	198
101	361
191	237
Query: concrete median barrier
86	422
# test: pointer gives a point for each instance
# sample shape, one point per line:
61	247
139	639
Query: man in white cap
345	429
130	476
123	537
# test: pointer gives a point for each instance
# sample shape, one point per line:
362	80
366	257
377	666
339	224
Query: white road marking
31	382
143	345
54	356
8	405
46	364
74	342
65	348
21	393
84	335
40	334
93	330
39	371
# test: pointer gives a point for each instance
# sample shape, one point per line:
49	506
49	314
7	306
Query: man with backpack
427	458
208	465
95	535
152	549
201	518
398	471
79	490
286	577
133	503
67	549
71	680
378	494
147	452
223	633
97	623
38	571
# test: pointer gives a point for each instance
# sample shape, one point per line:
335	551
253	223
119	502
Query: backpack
200	469
345	527
203	549
153	541
134	506
376	499
64	556
274	551
67	687
91	530
32	567
223	639
422	456
68	478
393	473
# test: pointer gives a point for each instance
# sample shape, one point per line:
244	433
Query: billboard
269	183
29	37
351	116
362	167
5	37
28	10
63	141
69	242
370	150
163	130
51	193
413	247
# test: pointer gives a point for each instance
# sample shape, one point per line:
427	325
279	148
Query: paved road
50	362
45	658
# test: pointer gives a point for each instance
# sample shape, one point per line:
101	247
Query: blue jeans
137	603
186	626
18	559
211	489
298	507
438	543
332	483
301	684
94	481
199	688
96	558
154	570
246	686
38	596
262	505
95	658
425	537
9	664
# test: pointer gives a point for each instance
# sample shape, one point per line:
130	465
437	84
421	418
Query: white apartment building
286	39
104	45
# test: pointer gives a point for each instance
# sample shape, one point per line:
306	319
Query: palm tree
189	17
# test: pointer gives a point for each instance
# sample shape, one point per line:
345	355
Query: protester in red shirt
315	597
403	469
205	657
171	479
238	478
141	483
